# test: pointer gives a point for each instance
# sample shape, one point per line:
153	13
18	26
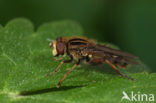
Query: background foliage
130	24
25	58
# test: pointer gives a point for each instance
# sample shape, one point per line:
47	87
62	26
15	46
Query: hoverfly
81	48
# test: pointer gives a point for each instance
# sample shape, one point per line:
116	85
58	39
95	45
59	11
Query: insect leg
57	59
114	67
74	66
57	69
59	66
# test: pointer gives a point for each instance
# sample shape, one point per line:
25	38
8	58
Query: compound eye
50	45
60	48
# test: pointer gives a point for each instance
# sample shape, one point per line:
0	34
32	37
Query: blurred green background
130	24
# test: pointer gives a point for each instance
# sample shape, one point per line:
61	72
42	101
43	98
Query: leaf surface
25	58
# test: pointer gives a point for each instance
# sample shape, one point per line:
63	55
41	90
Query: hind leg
122	75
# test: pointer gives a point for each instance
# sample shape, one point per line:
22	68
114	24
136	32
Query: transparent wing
113	55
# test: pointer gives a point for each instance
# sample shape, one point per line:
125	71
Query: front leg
74	66
59	66
58	59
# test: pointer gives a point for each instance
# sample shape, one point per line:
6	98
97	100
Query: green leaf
25	58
